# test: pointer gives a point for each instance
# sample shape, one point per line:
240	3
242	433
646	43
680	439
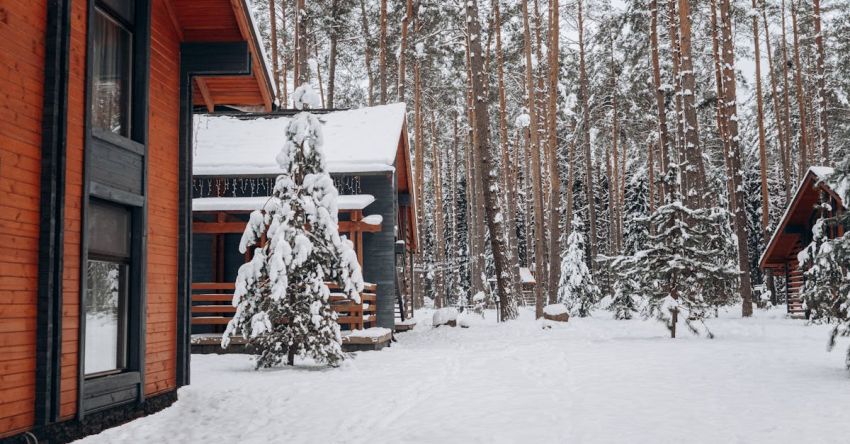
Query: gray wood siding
379	248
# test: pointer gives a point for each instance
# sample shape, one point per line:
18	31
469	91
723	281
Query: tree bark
823	128
367	51
694	173
673	31
303	75
588	160
382	64
332	53
786	90
275	58
508	184
534	150
765	193
777	111
554	173
436	172
801	94
661	108
730	105
720	111
405	23
487	164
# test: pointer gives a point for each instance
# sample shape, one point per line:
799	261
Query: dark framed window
107	295
112	68
113	247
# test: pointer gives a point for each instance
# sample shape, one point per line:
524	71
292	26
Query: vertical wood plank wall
22	34
161	354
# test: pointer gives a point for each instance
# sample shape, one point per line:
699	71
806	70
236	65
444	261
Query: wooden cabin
235	170
95	193
794	233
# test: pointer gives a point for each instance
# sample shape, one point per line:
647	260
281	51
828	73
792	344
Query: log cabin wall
22	50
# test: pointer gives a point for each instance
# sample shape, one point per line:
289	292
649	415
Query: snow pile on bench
555	309
369	335
373	219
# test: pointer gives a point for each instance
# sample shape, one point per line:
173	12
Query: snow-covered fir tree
684	268
826	259
577	289
636	200
281	298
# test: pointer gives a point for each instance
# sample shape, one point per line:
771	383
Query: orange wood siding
161	353
22	34
73	210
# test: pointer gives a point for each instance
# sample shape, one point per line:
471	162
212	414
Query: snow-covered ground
761	380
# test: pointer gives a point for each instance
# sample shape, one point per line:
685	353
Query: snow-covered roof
355	141
347	202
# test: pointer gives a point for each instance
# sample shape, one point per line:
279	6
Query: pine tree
576	288
636	234
684	269
281	299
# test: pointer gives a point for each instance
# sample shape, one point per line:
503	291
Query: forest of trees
653	122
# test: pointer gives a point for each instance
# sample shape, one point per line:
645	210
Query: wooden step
210	320
212	298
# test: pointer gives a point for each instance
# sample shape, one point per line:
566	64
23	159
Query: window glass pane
105	307
109	230
111	58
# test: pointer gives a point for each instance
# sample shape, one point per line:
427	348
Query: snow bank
444	316
355	141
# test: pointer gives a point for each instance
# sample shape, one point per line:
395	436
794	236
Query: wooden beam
218	227
258	64
358	227
172	14
205	93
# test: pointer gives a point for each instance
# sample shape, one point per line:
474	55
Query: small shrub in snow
282	302
576	289
684	271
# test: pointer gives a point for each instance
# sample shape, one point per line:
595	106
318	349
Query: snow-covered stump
445	316
556	312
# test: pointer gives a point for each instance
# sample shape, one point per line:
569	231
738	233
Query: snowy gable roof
816	175
356	141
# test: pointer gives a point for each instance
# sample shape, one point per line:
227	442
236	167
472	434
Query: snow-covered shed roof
355	141
799	210
345	202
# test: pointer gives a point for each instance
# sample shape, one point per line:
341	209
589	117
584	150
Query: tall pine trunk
405	24
777	112
660	106
731	116
382	63
486	161
801	94
588	160
275	58
367	52
694	173
534	150
822	99
554	176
